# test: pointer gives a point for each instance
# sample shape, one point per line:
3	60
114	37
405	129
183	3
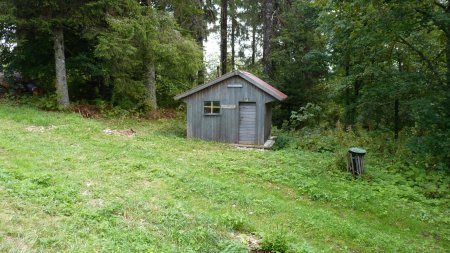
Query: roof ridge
251	78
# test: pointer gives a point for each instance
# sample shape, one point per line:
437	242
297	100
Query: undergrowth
382	151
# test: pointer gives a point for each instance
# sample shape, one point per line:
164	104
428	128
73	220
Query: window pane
211	107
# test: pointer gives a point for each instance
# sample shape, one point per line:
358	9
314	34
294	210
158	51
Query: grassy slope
73	188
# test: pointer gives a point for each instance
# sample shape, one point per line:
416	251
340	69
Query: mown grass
72	188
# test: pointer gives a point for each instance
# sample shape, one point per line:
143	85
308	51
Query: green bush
276	243
48	103
284	140
308	115
129	95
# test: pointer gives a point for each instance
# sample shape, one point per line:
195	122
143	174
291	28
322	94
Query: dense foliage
116	51
390	68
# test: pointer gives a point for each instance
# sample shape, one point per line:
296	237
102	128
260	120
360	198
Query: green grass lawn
65	185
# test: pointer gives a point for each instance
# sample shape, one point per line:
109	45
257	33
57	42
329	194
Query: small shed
234	108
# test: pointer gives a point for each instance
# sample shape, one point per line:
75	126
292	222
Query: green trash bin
356	161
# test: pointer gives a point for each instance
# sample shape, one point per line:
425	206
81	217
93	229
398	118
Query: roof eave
273	93
268	91
204	86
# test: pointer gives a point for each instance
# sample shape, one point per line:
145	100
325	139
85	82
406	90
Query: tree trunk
253	44
447	46
397	104
233	10
348	110
267	41
347	89
446	30
60	67
150	84
357	88
201	72
396	119
223	36
353	106
233	39
447	89
200	37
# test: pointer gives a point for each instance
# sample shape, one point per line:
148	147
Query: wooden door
247	123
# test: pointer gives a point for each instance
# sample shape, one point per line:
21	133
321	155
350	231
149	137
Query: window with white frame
211	107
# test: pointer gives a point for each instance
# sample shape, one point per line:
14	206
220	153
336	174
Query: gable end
267	88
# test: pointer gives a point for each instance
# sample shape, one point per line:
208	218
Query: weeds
276	243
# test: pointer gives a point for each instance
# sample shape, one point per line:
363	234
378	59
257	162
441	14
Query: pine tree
223	36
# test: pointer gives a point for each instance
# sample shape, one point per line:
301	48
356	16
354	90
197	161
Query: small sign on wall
228	106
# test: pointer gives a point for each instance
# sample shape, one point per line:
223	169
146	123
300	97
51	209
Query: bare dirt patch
40	129
126	132
96	202
251	240
89	183
240	147
17	244
86	193
155	184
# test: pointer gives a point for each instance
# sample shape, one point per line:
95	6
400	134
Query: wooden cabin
234	108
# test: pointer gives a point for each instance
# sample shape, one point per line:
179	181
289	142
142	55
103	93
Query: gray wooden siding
225	127
268	121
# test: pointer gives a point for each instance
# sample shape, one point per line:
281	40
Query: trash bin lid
358	150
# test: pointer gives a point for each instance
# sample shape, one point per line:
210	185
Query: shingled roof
269	89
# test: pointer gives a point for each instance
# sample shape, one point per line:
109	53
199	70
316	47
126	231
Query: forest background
382	67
